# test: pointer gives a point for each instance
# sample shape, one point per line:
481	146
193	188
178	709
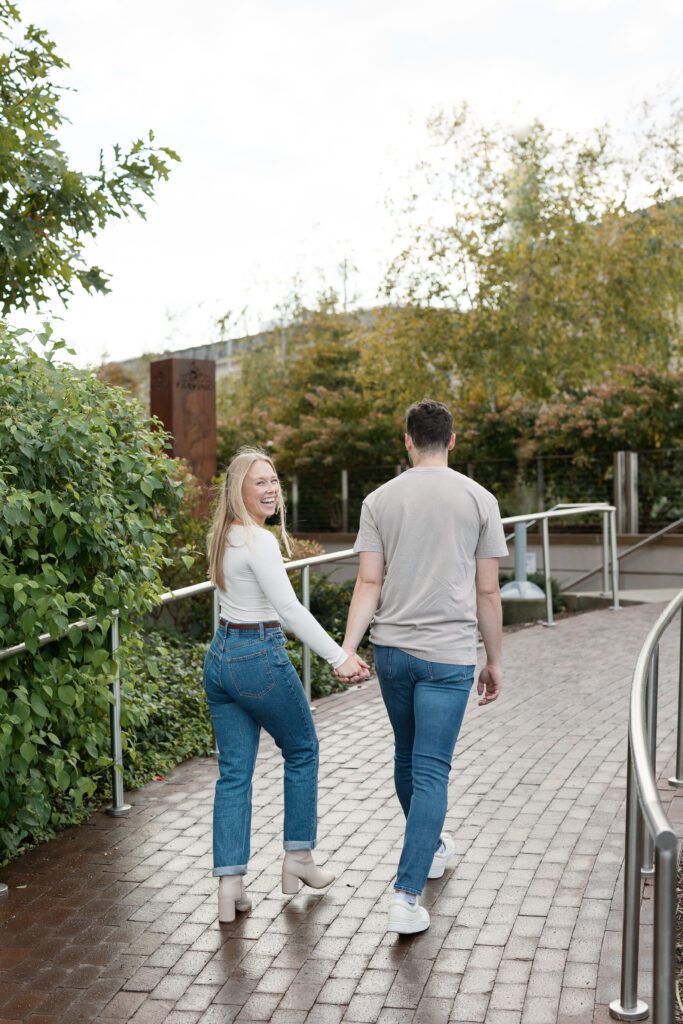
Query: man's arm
490	621
365	598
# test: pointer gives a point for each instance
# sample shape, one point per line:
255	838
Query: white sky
295	119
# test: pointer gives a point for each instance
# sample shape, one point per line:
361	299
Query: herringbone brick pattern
115	921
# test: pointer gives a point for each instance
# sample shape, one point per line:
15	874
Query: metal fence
330	499
648	831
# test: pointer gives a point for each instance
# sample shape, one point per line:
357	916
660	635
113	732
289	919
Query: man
429	543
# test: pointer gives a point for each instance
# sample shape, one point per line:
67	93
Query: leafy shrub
86	495
165	714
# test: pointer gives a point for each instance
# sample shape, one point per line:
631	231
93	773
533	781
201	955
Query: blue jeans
250	682
426	704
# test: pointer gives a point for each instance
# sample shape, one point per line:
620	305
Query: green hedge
165	716
87	498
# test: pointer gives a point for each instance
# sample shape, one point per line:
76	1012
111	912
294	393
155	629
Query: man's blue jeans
250	682
426	704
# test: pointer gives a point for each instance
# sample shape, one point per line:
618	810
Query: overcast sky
295	119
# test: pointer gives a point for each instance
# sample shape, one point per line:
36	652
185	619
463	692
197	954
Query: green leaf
38	706
75	635
28	751
67	694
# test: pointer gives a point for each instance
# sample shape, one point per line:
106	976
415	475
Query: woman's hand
353	670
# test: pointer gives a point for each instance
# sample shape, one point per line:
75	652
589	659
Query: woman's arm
266	563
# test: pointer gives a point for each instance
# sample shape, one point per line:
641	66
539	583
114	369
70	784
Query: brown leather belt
249	625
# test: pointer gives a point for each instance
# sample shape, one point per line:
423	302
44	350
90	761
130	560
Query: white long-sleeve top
258	589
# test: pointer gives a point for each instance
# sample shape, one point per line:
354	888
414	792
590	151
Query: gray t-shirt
431	524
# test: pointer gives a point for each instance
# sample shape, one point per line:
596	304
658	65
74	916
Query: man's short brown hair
430	425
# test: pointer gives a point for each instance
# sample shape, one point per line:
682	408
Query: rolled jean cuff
238	869
299	844
405	888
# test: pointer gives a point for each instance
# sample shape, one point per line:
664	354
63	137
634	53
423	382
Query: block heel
290	883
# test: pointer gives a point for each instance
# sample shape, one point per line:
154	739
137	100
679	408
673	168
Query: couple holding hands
429	543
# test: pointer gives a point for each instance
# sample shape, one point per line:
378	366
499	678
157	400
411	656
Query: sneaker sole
404	927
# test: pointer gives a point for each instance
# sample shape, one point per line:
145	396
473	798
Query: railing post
663	968
550	620
677	779
629	1006
614	558
648	867
306	653
295	504
215	616
345	500
605	554
118	806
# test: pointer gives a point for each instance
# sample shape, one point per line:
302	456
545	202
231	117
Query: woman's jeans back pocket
250	674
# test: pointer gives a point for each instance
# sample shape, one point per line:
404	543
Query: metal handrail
119	807
624	554
644	809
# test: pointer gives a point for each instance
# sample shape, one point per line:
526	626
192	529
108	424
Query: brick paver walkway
115	921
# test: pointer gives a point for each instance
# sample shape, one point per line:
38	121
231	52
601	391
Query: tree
48	210
298	392
560	254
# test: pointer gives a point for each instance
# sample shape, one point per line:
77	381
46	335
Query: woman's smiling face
261	491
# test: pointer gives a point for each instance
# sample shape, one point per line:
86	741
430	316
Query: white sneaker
406	919
444	858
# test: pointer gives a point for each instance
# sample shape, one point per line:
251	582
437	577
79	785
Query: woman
250	681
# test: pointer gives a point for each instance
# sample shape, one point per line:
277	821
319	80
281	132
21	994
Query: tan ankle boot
231	896
298	867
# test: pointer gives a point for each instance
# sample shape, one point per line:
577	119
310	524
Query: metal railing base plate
640	1011
548	625
118	812
673	781
4	889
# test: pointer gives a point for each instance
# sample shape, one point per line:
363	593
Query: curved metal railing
648	827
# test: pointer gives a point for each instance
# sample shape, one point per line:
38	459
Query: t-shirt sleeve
368	538
269	569
491	542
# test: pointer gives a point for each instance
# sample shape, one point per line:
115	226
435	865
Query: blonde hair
231	509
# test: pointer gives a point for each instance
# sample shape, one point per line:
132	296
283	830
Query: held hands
353	670
489	684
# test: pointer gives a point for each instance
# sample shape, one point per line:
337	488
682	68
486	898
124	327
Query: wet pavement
115	921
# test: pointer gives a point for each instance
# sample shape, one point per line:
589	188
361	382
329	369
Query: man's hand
353	670
489	684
